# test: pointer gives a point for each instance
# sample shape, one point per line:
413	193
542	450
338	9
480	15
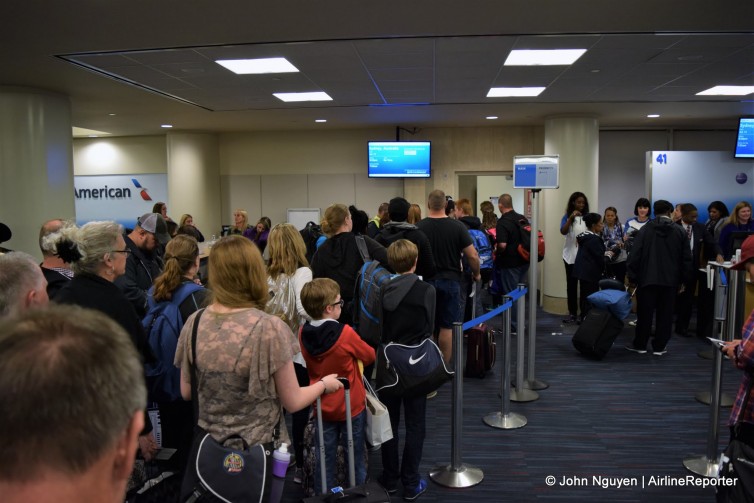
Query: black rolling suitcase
371	492
596	334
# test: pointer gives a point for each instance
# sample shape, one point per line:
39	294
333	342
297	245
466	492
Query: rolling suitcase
371	492
596	334
480	347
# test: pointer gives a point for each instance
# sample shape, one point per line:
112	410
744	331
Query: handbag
737	463
410	371
378	430
216	472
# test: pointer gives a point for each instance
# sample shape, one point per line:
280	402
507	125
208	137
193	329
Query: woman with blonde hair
176	284
188	221
414	214
244	356
339	258
740	220
288	271
240	222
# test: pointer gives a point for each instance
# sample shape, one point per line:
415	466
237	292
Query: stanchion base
726	400
464	476
707	354
702	466
535	384
509	421
523	395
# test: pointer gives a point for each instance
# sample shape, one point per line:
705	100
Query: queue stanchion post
520	393
720	317
531	381
457	474
505	419
707	465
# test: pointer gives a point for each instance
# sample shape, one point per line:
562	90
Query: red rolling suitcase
480	347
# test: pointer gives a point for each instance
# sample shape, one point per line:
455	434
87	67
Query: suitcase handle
346	383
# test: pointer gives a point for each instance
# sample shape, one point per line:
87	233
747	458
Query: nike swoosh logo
411	360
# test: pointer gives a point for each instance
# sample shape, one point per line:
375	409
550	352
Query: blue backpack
367	318
483	247
163	324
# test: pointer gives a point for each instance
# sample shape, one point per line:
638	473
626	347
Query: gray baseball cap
154	223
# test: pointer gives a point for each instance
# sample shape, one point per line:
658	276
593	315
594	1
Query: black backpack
311	233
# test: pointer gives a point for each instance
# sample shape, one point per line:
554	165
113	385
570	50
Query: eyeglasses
339	303
126	251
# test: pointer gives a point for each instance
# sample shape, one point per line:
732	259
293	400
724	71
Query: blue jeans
414	412
334	434
509	279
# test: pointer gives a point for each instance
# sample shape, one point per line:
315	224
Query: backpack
524	228
368	297
311	233
483	247
163	324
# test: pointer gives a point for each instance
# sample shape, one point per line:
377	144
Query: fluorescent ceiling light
167	126
320	120
550	57
313	96
491	117
80	132
257	66
507	92
653	116
727	91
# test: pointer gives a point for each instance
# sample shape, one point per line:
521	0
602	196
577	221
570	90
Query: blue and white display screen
399	159
745	138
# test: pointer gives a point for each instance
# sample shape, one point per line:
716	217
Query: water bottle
280	459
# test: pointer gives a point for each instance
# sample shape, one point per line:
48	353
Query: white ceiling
413	63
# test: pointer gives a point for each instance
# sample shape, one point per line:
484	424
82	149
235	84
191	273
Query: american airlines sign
117	197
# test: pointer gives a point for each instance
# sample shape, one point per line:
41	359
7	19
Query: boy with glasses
331	347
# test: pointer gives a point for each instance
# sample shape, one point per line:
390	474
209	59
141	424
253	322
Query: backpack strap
361	244
194	385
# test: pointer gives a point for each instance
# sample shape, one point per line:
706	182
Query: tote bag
378	430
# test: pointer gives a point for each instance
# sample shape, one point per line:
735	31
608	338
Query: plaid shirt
744	361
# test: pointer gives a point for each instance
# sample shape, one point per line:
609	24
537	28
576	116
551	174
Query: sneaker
432	394
570	319
390	488
659	353
411	495
298	476
632	323
631	347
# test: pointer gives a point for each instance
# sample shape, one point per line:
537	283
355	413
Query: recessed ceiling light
313	96
491	117
167	125
528	57
653	116
257	66
727	91
111	114
506	92
320	120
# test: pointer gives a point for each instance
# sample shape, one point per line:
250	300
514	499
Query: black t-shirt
508	232
448	238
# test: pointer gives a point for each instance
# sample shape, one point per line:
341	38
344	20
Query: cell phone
165	453
717	342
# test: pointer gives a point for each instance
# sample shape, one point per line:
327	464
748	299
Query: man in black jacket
659	264
143	265
397	228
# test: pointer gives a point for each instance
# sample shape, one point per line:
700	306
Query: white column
576	141
194	179
36	163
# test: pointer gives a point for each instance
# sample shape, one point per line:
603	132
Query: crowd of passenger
266	337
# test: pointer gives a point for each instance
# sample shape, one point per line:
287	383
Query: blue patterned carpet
629	417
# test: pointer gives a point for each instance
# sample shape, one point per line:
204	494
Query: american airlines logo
107	192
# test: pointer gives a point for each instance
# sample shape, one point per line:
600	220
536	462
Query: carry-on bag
371	492
597	332
480	346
